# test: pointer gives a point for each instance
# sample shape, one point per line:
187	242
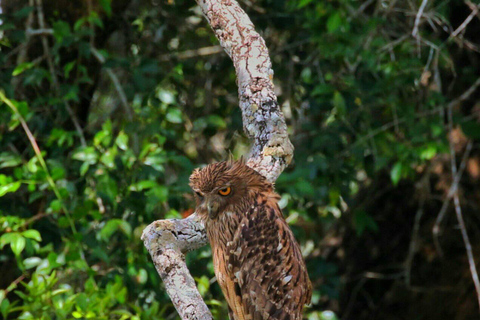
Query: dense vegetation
107	106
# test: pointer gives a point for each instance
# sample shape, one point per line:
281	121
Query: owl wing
266	267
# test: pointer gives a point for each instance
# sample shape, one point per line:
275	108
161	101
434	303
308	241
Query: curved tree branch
168	240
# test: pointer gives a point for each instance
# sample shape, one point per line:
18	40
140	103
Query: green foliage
72	212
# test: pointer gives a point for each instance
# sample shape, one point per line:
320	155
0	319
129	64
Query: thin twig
458	209
39	156
23	49
39	32
418	17
353	297
466	22
457	175
116	83
468	246
464	96
363	6
51	67
121	93
36	217
394	43
451	192
14	284
23	52
422	185
187	54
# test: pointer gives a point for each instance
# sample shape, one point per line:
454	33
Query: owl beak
212	209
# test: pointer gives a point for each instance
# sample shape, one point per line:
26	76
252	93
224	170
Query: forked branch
263	122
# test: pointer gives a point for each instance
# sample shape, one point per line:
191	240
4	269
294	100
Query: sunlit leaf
32	234
21	68
396	173
10	187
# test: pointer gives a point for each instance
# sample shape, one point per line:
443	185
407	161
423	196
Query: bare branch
468	246
466	22
39	32
422	188
451	192
418	17
262	119
457	173
168	240
187	54
116	83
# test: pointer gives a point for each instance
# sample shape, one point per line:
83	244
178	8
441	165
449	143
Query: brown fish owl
257	261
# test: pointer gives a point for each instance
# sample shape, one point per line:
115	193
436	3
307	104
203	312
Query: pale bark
168	240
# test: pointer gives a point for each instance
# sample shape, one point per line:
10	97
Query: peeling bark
263	122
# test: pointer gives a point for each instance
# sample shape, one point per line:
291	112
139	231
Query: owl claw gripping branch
257	261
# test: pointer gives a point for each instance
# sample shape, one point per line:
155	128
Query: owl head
226	186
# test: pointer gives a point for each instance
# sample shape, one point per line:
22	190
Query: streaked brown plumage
257	261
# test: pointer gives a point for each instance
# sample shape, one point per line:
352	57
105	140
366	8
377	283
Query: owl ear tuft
230	160
242	160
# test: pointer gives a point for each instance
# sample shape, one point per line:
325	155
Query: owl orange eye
225	191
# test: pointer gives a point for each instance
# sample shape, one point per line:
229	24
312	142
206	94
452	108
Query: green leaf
174	116
23	13
203	285
428	152
86	154
159	193
122	141
396	173
18	244
115	225
471	129
7	26
217	121
10	187
106	5
55	205
32	165
334	22
32	262
121	296
4	304
339	104
68	67
142	185
363	221
165	96
32	234
22	67
303	3
142	276
8	160
108	158
61	30
7	238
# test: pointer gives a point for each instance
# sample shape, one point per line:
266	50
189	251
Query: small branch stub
168	240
